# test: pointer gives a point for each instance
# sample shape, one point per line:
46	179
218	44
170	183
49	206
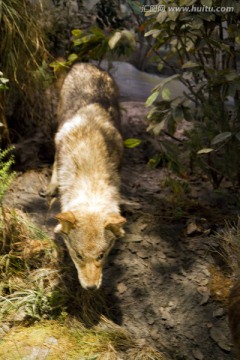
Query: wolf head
89	239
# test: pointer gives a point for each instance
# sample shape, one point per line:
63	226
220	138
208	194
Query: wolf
234	315
88	156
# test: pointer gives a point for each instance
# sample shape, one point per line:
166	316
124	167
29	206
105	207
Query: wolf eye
100	257
79	257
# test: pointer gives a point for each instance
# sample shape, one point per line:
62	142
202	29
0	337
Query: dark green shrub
202	51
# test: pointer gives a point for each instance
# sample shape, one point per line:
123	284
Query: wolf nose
92	287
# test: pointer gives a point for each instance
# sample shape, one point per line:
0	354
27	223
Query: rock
143	254
150	319
132	247
20	315
205	292
192	228
198	354
164	313
5	328
219	337
218	312
132	238
169	322
121	287
154	333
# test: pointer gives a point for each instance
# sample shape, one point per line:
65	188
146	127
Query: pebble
218	312
150	320
219	337
143	255
154	333
121	287
198	355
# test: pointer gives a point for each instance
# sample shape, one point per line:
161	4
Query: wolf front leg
51	189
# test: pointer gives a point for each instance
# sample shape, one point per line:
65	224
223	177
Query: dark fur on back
95	86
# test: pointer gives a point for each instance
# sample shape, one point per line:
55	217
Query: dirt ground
158	276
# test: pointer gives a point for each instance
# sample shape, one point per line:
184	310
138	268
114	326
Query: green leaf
205	151
207	16
221	137
124	35
58	65
4	80
237	39
136	7
161	17
173	15
166	81
84	40
160	66
190	64
112	42
129	35
232	75
187	2
177	114
151	98
166	94
153	32
159	127
77	32
72	57
238	136
131	143
206	3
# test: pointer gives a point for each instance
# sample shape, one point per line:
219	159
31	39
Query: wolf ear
67	221
114	223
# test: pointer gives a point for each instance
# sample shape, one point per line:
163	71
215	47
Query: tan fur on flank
88	156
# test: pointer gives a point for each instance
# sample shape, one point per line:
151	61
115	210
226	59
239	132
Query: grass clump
227	247
6	177
28	269
226	251
23	57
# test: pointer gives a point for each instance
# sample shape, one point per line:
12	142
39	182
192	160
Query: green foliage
3	82
132	143
6	176
95	44
203	48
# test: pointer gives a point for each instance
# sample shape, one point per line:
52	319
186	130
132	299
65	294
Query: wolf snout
91	287
90	277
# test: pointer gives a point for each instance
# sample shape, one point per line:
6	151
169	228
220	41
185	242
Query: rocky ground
158	277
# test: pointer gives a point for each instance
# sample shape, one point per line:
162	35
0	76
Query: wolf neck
87	201
90	189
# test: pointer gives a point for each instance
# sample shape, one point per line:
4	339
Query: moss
60	341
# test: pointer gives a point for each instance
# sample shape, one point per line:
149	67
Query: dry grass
220	285
227	247
145	353
226	251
